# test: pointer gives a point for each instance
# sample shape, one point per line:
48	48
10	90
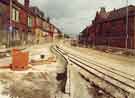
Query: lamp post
10	24
126	41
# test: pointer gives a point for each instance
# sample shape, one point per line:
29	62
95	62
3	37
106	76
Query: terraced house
22	24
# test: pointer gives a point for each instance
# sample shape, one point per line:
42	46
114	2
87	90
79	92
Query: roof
37	11
117	13
121	12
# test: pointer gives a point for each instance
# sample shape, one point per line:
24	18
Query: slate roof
117	13
122	12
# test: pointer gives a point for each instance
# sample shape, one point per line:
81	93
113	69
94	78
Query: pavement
78	86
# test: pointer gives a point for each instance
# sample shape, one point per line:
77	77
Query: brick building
22	24
4	17
109	28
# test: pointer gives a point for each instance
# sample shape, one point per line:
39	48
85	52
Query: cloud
72	16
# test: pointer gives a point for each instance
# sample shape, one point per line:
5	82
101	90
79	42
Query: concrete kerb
67	65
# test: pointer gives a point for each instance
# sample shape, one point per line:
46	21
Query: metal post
86	40
126	41
10	23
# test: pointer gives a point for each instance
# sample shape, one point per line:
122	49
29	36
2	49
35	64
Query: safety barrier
20	60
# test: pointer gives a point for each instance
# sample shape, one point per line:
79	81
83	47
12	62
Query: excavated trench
62	75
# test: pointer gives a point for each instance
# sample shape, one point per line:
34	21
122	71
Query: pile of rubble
28	85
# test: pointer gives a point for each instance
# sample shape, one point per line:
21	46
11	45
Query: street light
126	41
10	22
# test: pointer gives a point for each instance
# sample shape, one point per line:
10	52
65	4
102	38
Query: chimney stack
26	3
102	10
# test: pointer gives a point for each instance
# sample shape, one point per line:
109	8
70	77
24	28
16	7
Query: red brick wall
134	32
23	17
39	22
112	33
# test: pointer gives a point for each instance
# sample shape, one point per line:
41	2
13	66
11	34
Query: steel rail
105	67
100	78
133	80
71	59
100	72
61	53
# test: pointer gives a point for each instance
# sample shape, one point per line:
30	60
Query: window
29	21
15	15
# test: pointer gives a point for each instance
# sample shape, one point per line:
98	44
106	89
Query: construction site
50	49
34	72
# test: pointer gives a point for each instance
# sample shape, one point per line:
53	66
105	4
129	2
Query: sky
72	16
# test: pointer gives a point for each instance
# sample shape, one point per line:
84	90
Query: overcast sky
72	16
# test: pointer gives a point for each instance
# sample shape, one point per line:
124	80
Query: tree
66	36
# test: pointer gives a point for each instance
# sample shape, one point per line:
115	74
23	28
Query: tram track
125	82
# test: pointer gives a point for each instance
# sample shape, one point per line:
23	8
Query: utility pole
126	41
86	40
10	24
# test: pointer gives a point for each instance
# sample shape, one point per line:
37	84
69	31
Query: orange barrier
20	60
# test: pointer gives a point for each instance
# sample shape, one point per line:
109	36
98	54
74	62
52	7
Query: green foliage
66	36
